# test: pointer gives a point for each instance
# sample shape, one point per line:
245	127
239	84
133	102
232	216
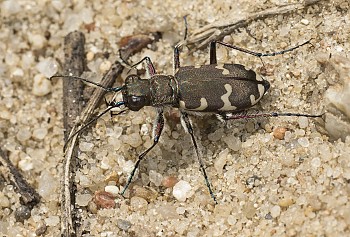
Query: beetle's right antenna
111	105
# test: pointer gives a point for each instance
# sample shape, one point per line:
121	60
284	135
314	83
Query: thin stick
29	196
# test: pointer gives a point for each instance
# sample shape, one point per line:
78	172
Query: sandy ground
272	177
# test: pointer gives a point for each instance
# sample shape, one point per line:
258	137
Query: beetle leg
149	66
245	115
185	120
213	59
157	130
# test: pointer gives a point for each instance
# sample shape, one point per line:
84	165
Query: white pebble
315	162
47	185
303	122
105	65
48	67
40	133
83	199
10	7
26	164
303	141
23	134
304	22
233	142
52	220
86	146
37	40
155	178
180	210
182	190
133	139
114	190
275	211
41	85
221	161
87	15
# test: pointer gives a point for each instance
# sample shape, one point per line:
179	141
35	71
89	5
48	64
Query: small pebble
104	199
138	203
275	211
180	210
22	213
279	133
303	141
41	229
123	224
41	86
4	201
221	160
105	65
169	181
23	134
304	22
316	162
182	190
86	146
145	193
303	122
83	199
25	164
48	67
114	190
52	220
40	133
155	178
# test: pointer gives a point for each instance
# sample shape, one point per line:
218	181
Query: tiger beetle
223	89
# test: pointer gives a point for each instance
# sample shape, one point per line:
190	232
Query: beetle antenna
112	89
110	106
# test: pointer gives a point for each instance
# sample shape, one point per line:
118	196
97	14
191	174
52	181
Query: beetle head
136	93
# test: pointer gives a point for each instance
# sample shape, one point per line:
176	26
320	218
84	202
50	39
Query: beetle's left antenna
110	89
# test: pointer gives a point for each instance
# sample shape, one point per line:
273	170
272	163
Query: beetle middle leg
157	131
188	126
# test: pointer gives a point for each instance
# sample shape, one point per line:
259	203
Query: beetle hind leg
213	58
245	115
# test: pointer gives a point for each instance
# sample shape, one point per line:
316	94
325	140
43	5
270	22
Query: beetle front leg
185	120
149	66
157	131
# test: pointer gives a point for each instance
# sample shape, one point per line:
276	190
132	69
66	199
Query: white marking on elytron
203	106
259	78
261	90
182	104
224	70
247	68
225	98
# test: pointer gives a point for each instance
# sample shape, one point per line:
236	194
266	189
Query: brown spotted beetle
221	89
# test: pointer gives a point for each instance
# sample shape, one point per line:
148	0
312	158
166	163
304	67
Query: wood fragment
217	31
74	64
130	46
29	197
